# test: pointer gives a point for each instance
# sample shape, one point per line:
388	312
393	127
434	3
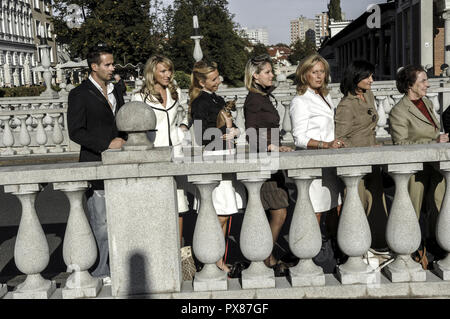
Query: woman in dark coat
261	114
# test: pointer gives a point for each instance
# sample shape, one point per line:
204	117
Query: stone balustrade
46	123
143	226
34	126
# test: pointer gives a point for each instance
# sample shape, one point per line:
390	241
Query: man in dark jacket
91	123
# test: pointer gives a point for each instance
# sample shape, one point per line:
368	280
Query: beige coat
409	126
356	120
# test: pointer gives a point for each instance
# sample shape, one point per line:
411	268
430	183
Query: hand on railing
337	143
443	138
116	143
281	149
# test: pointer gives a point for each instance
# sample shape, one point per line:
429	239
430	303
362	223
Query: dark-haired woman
356	121
413	121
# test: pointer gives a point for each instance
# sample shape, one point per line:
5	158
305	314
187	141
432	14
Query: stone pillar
353	234
403	230
80	248
41	136
142	213
31	252
208	240
256	240
442	267
305	239
382	117
24	136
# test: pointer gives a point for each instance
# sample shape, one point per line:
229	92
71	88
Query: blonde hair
304	67
199	73
148	90
255	66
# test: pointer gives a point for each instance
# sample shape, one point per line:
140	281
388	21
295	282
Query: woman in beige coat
356	121
413	121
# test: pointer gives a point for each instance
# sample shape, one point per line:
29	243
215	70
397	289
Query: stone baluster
403	231
41	136
434	98
382	119
3	290
57	135
287	125
15	123
29	121
442	267
8	137
240	123
24	136
80	248
397	98
48	121
31	252
388	105
208	240
256	240
305	239
353	234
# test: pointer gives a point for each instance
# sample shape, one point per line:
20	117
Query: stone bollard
79	248
31	252
142	212
256	240
305	239
403	230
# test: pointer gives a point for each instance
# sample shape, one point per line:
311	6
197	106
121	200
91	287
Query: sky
275	15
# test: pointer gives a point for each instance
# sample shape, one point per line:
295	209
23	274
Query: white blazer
166	119
312	118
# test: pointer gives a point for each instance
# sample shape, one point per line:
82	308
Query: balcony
143	224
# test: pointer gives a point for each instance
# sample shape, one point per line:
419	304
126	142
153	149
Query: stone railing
20	113
34	126
142	216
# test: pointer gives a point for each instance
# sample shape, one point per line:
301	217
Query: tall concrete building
321	27
301	28
258	35
20	21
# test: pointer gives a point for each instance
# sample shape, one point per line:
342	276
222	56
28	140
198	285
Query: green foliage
221	43
126	25
334	10
258	49
183	79
24	91
301	50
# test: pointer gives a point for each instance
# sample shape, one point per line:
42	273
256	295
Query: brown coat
409	126
356	120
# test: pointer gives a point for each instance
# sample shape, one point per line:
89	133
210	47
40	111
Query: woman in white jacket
163	96
312	115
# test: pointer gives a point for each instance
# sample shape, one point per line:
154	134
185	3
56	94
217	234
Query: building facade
20	25
302	28
405	32
255	36
321	22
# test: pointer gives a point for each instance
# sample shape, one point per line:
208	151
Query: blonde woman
261	115
205	106
312	116
163	96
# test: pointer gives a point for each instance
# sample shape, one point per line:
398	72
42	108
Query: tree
220	42
127	26
258	49
302	49
334	10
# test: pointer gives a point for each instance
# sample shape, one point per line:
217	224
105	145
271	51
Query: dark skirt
274	192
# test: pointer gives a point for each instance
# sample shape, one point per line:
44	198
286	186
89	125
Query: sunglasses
261	58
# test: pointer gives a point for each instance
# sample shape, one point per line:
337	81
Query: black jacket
91	122
262	115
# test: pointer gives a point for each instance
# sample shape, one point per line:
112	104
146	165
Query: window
38	28
49	31
36	4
